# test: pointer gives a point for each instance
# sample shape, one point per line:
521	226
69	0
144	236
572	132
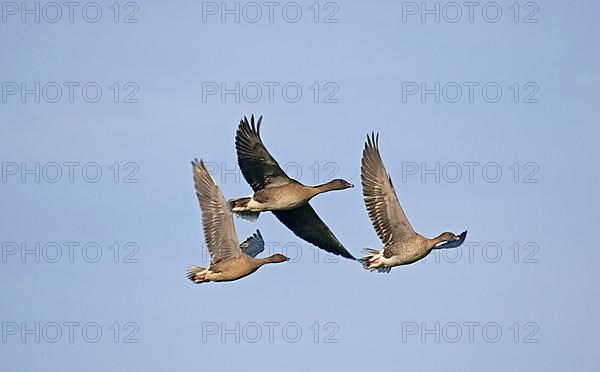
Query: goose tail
196	274
371	261
237	206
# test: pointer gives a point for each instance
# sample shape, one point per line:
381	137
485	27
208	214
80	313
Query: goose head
277	258
339	184
447	240
448	237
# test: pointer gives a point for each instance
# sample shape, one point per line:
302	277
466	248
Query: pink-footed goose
401	244
229	260
274	191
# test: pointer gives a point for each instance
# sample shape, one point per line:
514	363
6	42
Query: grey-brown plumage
276	192
380	198
401	244
229	260
259	168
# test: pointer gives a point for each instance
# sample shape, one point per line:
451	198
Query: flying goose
401	244
274	191
229	260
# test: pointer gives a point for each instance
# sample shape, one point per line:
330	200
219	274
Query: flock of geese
289	200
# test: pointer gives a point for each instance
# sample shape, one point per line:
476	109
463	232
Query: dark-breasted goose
229	260
401	244
274	191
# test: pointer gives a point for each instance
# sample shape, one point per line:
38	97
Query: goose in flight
401	244
274	191
229	260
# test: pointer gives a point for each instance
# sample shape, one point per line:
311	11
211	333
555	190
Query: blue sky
524	283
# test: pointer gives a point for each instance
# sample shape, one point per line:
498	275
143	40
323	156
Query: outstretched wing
306	224
253	245
381	201
219	232
259	168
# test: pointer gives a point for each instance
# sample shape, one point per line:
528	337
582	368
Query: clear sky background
529	267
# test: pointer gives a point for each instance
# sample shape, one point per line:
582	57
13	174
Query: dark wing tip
198	163
347	255
256	125
371	150
245	123
372	140
338	250
249	126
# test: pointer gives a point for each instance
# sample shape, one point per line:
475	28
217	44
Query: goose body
229	260
277	198
401	244
274	191
228	270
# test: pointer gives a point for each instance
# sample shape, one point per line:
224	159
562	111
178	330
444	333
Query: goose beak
351	186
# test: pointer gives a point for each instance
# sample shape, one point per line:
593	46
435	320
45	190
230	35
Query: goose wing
385	212
259	168
219	232
254	245
306	224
